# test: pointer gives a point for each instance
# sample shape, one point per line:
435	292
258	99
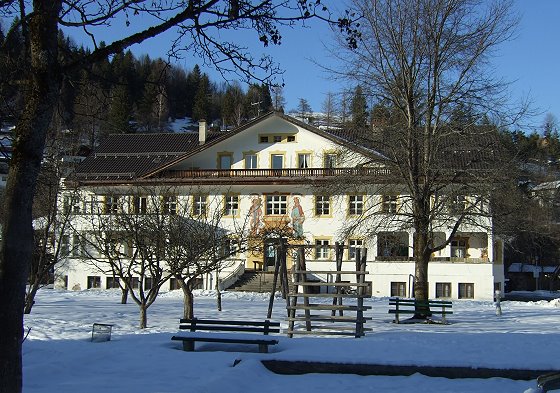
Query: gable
275	135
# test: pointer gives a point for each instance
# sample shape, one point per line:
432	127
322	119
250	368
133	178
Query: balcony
291	175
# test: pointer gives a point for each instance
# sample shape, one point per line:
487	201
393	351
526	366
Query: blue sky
530	61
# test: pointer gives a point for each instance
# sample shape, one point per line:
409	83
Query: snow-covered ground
59	356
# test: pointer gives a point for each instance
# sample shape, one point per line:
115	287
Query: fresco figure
297	218
255	213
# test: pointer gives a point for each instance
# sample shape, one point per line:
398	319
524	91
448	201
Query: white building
277	172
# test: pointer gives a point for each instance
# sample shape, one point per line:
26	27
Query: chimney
201	131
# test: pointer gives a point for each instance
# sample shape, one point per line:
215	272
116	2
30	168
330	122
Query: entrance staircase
255	281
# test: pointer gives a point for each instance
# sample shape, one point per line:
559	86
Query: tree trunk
143	316
30	296
17	233
188	299
421	257
124	295
218	291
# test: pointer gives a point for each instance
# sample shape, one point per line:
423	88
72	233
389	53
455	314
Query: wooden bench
216	329
408	306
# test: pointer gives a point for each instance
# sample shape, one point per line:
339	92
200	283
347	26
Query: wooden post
360	279
303	277
337	300
292	310
282	251
274	282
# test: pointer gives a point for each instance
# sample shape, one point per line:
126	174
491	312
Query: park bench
218	331
408	306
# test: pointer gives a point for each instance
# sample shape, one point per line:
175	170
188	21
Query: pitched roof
127	156
134	156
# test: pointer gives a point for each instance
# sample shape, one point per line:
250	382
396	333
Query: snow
59	356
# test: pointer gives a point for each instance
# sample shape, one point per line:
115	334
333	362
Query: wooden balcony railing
268	173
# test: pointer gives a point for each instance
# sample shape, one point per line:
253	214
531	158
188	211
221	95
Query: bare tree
52	230
278	99
328	109
125	236
200	245
199	26
427	58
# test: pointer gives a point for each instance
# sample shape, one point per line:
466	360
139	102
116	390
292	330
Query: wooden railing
267	173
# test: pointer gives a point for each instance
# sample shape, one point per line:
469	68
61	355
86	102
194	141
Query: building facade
276	177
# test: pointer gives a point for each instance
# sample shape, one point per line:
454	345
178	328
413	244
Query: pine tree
120	110
304	109
193	80
233	105
153	108
202	99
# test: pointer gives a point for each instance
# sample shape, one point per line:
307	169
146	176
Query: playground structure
322	318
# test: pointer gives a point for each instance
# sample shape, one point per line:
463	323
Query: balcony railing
268	173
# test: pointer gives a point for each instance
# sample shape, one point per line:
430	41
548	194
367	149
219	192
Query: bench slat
222	323
247	329
225	340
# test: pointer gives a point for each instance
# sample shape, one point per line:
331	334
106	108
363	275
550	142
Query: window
352	245
90	205
398	288
228	248
174	284
77	247
65	245
134	282
355	205
110	205
263	139
443	289
459	247
330	160
457	204
250	161
466	290
199	205
139	204
277	138
276	204
148	283
291	138
321	249
170	205
304	160
71	204
389	203
231	205
392	244
277	161
93	282
225	160
112	282
322	205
